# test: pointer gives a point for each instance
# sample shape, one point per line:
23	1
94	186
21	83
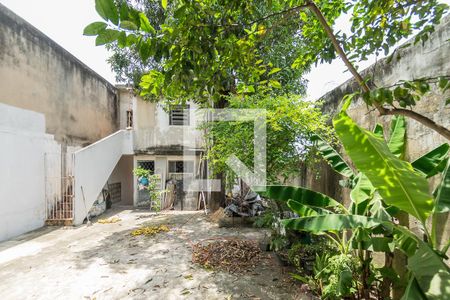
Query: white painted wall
23	144
162	169
92	167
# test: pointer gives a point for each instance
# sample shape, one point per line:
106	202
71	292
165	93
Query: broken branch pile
227	255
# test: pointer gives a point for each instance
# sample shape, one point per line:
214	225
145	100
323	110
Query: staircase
92	167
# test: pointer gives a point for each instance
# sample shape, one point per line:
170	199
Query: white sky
64	21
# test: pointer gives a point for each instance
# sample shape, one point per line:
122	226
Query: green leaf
299	277
332	157
376	244
274	70
124	11
122	40
164	4
94	28
128	25
413	291
431	273
397	136
145	24
432	162
107	10
305	210
330	222
107	36
395	179
443	83
379	131
345	281
300	209
274	83
404	239
301	195
144	50
363	189
442	201
377	210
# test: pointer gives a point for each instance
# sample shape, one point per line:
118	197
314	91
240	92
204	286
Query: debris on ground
109	220
233	255
248	206
150	230
217	215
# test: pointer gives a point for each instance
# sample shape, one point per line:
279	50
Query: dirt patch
217	215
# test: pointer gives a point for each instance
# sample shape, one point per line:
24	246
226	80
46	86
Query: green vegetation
385	188
290	123
151	185
252	54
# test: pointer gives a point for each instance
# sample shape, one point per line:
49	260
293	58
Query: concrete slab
104	261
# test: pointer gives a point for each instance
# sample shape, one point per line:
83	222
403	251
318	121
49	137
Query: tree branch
382	110
421	119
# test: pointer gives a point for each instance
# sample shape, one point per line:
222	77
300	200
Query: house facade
168	143
67	135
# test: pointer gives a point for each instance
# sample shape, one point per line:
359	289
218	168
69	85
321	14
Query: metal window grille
180	166
129	118
179	115
147	165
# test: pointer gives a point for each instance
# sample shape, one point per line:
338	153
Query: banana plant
384	185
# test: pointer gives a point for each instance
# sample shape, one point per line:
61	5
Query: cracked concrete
104	261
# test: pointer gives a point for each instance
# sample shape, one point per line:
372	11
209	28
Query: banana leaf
378	130
397	136
375	244
413	291
431	273
330	222
363	189
442	200
432	162
300	209
301	195
332	157
305	210
395	179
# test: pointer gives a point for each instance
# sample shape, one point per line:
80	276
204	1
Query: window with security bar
147	165
180	166
179	115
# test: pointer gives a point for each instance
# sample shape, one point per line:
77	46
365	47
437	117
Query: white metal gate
59	183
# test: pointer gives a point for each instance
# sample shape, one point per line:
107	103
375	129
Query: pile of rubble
248	206
232	255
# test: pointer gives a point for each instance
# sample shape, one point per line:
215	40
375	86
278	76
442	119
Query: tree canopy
205	50
290	123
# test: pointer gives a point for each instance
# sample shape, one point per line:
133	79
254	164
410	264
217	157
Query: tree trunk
386	285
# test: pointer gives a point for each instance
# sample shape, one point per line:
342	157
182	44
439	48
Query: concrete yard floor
104	261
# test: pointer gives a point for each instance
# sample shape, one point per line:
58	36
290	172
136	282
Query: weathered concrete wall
23	144
415	61
37	74
152	132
